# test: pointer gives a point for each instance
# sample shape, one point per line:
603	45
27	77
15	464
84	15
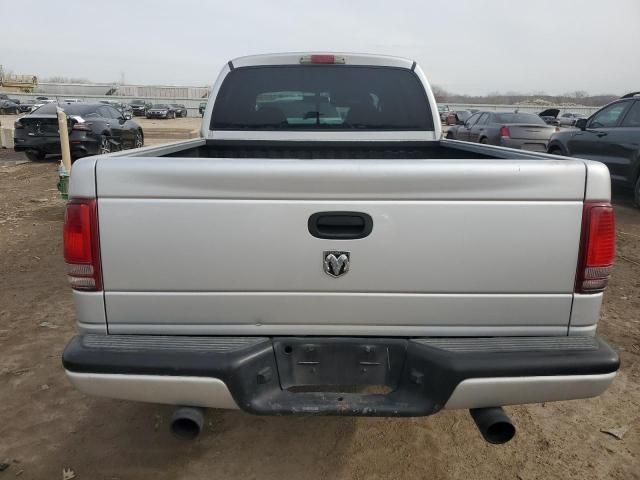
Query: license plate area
330	362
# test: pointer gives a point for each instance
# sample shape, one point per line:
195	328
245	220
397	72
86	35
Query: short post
65	165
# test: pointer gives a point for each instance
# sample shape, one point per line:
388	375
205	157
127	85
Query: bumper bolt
265	375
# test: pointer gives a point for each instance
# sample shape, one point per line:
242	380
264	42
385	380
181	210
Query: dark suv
611	136
139	108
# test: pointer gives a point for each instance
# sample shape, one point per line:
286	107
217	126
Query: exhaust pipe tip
494	424
186	422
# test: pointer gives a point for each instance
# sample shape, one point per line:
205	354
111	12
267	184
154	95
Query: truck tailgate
221	246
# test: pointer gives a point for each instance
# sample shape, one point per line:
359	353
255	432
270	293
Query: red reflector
597	249
504	132
81	249
323	58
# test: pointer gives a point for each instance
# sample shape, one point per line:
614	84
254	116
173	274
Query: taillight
597	247
504	132
81	244
85	127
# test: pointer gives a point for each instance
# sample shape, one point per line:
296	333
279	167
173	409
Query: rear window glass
519	118
330	97
69	108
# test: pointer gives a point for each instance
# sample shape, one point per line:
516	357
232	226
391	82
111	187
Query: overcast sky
465	46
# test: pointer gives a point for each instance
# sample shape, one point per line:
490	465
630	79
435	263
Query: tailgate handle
340	225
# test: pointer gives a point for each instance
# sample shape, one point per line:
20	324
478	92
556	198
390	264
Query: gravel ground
46	426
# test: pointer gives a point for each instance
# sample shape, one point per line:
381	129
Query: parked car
9	107
507	129
457	117
139	107
368	252
124	108
181	110
569	119
161	110
94	128
201	108
443	111
43	100
4	96
550	116
27	106
611	136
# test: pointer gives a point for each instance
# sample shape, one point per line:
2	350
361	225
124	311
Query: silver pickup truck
320	250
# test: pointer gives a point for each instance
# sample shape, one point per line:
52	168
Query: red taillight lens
323	58
504	132
597	247
81	247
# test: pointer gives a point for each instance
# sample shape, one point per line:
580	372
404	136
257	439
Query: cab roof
294	58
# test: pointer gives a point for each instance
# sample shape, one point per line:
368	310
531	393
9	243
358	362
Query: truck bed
330	150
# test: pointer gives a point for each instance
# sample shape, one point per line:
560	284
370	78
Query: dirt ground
46	425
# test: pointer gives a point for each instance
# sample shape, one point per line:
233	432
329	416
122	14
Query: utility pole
64	171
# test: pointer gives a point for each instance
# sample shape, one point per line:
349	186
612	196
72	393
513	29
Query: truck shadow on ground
131	440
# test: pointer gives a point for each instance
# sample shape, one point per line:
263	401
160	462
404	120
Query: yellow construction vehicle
10	82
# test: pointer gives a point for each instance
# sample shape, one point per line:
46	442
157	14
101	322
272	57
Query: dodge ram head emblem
336	264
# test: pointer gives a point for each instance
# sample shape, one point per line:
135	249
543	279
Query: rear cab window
322	97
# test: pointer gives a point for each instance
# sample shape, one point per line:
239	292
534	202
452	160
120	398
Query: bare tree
512	97
61	79
440	93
